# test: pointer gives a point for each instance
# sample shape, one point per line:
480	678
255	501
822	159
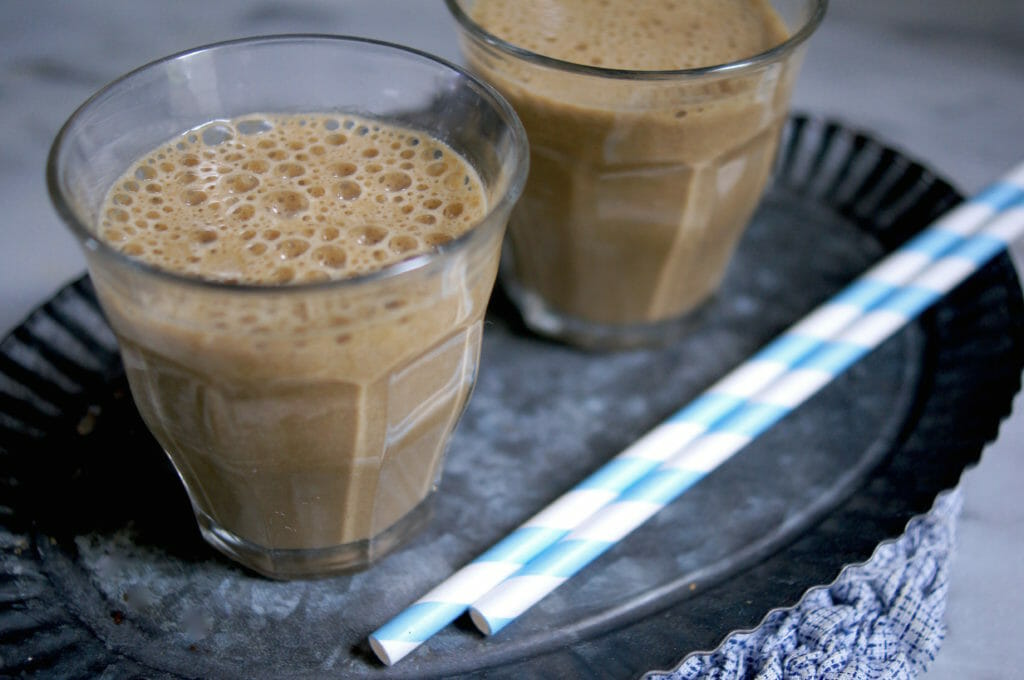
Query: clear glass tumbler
308	422
641	182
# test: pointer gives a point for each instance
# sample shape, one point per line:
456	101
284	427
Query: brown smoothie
315	412
639	188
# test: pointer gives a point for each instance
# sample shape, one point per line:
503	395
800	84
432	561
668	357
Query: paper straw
447	601
638	503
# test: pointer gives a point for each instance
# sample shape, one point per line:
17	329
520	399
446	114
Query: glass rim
768	56
89	240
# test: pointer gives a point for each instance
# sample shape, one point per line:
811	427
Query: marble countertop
939	79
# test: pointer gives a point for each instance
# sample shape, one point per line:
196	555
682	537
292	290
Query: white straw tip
391	651
480	621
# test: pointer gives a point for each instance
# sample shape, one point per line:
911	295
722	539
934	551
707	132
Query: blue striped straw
805	376
448	600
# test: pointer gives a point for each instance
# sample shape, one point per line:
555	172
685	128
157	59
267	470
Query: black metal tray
102	570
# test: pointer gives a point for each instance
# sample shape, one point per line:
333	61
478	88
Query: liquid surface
636	35
291	198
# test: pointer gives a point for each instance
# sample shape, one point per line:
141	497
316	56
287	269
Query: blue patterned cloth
882	620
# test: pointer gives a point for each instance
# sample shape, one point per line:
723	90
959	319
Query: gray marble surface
943	80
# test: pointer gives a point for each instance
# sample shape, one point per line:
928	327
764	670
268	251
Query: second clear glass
641	182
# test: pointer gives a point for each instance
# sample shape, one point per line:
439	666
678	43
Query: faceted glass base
318	562
543	319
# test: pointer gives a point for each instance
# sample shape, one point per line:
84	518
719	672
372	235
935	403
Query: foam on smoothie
636	35
275	199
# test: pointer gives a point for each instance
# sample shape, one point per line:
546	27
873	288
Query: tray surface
102	567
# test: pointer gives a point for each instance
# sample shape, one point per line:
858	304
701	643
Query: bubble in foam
253	126
290	170
118	215
216	134
455	180
348	190
257	165
396	181
370	235
437	238
204	236
286	203
282	275
330	256
436	169
193	197
316	276
291	248
342	169
240	182
404	243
